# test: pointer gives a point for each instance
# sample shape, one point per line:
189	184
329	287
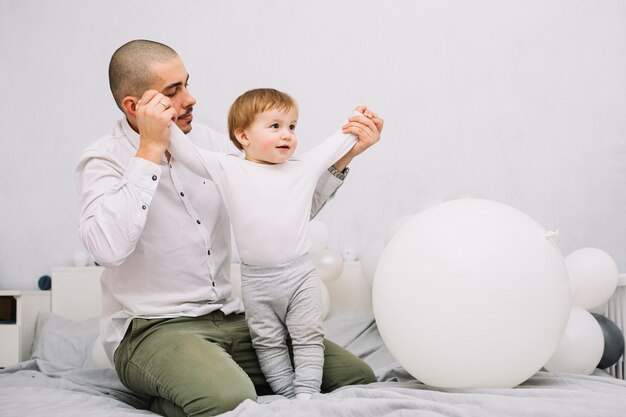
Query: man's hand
366	128
154	117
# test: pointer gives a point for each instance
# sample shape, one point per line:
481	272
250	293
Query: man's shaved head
129	69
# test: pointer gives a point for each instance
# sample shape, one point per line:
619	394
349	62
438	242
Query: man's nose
188	99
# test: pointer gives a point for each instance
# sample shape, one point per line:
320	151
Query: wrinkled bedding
40	388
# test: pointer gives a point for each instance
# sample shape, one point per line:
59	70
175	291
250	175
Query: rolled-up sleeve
327	186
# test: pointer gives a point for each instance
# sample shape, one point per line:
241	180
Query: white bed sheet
36	388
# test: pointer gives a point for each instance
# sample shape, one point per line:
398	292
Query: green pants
204	366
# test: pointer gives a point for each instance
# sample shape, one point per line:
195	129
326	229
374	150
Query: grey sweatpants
280	301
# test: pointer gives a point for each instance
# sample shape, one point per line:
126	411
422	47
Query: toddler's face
272	136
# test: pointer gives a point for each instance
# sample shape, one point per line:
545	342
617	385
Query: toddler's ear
241	137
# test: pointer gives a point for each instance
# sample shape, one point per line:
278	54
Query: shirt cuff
327	185
339	174
143	174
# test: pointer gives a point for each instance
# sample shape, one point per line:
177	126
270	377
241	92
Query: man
169	322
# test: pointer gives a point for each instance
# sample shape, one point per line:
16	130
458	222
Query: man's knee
189	373
363	374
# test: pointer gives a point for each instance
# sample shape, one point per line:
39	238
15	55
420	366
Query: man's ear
129	104
240	135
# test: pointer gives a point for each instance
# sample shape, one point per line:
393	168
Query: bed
67	377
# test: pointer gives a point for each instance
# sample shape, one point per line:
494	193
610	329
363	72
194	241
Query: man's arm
367	128
153	124
114	201
115	193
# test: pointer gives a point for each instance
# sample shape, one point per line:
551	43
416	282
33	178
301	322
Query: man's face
171	80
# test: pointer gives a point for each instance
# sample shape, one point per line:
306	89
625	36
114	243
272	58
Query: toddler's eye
275	126
292	127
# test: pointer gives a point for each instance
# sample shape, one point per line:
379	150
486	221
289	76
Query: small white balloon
581	347
369	259
593	277
350	254
81	259
325	300
318	235
328	264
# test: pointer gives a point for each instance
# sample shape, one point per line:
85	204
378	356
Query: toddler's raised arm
199	161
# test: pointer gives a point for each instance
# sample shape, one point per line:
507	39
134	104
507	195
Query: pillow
61	344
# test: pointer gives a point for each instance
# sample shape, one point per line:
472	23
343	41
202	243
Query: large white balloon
581	347
593	277
471	293
82	258
328	264
318	235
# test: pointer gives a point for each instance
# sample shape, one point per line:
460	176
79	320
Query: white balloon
465	288
81	258
328	264
318	235
325	300
581	347
593	277
369	259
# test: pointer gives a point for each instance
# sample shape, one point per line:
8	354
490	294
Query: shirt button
208	252
198	221
213	283
154	178
182	194
144	207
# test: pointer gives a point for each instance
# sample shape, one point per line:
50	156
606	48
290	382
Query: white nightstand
18	316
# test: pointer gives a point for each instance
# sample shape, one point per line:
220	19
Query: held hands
366	128
154	115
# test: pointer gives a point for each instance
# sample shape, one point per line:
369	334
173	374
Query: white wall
520	101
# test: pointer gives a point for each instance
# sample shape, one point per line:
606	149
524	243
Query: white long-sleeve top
161	231
268	204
